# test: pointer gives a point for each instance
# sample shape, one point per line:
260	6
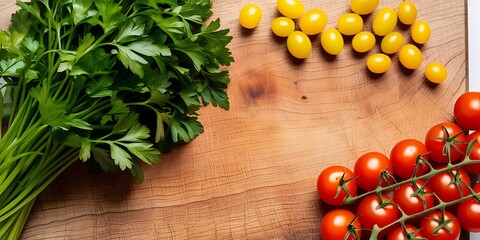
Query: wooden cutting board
252	174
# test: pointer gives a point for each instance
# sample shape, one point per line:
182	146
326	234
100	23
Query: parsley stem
95	108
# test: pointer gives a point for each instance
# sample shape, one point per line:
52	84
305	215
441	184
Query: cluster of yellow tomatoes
314	21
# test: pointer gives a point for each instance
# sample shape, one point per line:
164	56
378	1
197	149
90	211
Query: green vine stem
441	206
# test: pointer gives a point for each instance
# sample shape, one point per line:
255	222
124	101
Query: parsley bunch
109	80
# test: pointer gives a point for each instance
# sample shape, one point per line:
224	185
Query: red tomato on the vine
445	187
432	220
413	199
329	181
372	211
335	225
404	157
437	142
475	154
468	213
368	170
398	234
466	110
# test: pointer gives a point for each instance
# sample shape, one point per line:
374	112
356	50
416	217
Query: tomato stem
419	191
441	206
449	167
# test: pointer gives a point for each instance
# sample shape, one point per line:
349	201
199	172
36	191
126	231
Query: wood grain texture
7	7
252	174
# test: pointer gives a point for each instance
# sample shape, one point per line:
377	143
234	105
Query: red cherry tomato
407	198
468	213
475	154
329	181
435	143
368	169
444	186
467	110
398	234
334	225
432	220
404	157
371	212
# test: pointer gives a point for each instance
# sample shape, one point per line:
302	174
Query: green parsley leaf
85	150
100	88
185	129
80	10
110	13
85	43
131	60
144	151
135	133
85	78
11	67
102	157
130	31
194	52
121	157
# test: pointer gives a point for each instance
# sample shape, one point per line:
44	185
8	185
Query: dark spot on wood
258	86
255	93
304	98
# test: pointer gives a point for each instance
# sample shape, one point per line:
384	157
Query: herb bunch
113	81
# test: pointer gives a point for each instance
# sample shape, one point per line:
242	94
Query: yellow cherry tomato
384	21
379	63
299	45
363	7
420	32
392	42
332	41
350	24
313	21
436	72
410	56
250	16
283	26
291	8
363	41
407	12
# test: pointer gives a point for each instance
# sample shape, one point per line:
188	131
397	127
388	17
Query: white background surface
473	44
474	56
